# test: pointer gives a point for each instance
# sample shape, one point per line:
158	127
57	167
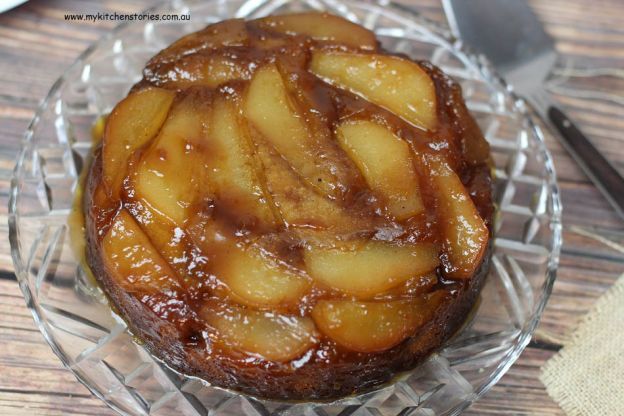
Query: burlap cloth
587	376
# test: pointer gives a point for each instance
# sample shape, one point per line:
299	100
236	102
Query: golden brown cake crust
179	334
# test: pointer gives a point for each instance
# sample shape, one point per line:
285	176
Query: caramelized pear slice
386	163
251	274
298	203
167	177
209	71
269	335
373	326
413	287
132	123
465	233
393	83
172	241
256	282
132	260
368	268
273	113
323	27
234	169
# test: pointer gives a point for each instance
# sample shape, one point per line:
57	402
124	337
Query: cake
283	208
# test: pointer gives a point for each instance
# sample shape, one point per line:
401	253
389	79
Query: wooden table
36	45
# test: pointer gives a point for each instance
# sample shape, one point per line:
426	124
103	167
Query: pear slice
247	271
172	241
386	163
272	336
373	326
169	173
235	172
369	268
132	260
208	70
323	27
273	113
394	83
413	287
132	123
255	282
298	203
465	233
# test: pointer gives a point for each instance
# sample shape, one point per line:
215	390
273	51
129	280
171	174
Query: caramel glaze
169	322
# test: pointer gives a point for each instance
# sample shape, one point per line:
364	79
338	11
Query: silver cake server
509	34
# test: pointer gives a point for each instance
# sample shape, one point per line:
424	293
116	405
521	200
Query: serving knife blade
510	35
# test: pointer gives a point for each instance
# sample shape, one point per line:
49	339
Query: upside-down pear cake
284	208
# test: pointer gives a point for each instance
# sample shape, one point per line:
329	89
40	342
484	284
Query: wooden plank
32	402
519	392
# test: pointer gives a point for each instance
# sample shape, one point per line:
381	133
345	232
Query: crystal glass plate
95	344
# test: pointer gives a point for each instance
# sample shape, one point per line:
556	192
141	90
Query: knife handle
606	178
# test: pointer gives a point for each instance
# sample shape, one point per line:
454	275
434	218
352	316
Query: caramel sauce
192	296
